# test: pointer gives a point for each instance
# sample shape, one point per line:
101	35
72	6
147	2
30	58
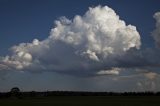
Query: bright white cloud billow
99	31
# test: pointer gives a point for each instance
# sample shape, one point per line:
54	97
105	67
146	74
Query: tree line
16	93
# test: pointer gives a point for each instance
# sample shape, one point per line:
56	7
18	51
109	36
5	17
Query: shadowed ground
84	101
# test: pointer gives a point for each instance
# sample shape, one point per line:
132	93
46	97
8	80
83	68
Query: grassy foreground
84	101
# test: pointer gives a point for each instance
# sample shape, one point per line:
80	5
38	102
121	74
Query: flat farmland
83	101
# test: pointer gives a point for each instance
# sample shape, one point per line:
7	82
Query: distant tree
15	90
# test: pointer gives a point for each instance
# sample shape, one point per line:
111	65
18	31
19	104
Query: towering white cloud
85	43
98	32
156	32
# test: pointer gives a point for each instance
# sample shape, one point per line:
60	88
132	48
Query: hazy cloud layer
156	32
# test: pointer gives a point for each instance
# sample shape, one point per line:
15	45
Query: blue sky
25	20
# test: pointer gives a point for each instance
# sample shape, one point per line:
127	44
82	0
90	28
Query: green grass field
84	101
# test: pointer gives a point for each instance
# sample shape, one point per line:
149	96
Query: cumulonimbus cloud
89	44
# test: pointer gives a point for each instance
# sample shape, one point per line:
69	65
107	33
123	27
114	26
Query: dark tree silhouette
15	90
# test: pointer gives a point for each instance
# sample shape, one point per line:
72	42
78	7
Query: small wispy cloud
113	71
